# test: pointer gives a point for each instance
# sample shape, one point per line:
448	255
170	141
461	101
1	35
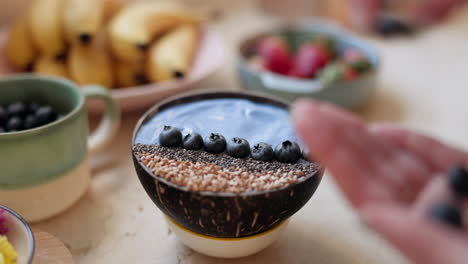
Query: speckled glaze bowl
349	94
223	215
45	170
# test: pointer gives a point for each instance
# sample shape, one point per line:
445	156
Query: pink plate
210	57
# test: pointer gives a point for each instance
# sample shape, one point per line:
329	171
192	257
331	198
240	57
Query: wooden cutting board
50	250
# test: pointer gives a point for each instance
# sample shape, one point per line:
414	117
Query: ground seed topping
202	171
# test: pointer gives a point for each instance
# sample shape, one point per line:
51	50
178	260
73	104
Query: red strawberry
356	60
275	53
294	72
328	43
349	73
352	55
309	59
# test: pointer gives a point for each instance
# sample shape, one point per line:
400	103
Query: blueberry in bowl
192	141
288	152
21	115
237	174
215	143
238	148
170	137
262	151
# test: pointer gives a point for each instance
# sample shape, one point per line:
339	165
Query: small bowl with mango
17	242
143	51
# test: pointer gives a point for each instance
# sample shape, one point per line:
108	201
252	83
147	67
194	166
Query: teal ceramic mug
45	170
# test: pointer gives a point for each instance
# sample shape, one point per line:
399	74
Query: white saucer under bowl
227	247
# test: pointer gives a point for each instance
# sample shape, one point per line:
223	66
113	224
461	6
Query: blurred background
340	10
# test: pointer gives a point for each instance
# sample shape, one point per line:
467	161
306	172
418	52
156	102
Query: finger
439	156
465	212
341	143
364	13
436	191
415	173
430	11
319	136
397	171
419	239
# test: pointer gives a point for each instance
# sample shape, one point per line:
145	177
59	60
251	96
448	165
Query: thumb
330	135
418	238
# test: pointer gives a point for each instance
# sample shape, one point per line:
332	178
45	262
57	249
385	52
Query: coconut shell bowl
246	208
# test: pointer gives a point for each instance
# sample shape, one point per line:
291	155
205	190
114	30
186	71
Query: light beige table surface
423	83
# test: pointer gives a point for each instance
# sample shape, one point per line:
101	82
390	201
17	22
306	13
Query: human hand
392	176
365	12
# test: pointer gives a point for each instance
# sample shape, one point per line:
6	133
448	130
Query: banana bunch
105	42
19	47
91	63
171	56
50	66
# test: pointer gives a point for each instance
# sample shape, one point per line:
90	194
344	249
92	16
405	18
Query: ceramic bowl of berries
45	145
16	238
225	168
309	59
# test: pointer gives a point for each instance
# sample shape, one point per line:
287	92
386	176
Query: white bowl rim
32	243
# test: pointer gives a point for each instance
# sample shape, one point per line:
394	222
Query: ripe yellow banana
130	74
50	66
45	22
111	8
20	50
133	28
172	55
83	20
91	64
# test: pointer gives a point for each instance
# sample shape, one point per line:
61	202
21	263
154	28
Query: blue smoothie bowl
224	215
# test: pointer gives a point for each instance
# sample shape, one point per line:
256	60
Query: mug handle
110	122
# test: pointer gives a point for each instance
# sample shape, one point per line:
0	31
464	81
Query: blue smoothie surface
230	117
